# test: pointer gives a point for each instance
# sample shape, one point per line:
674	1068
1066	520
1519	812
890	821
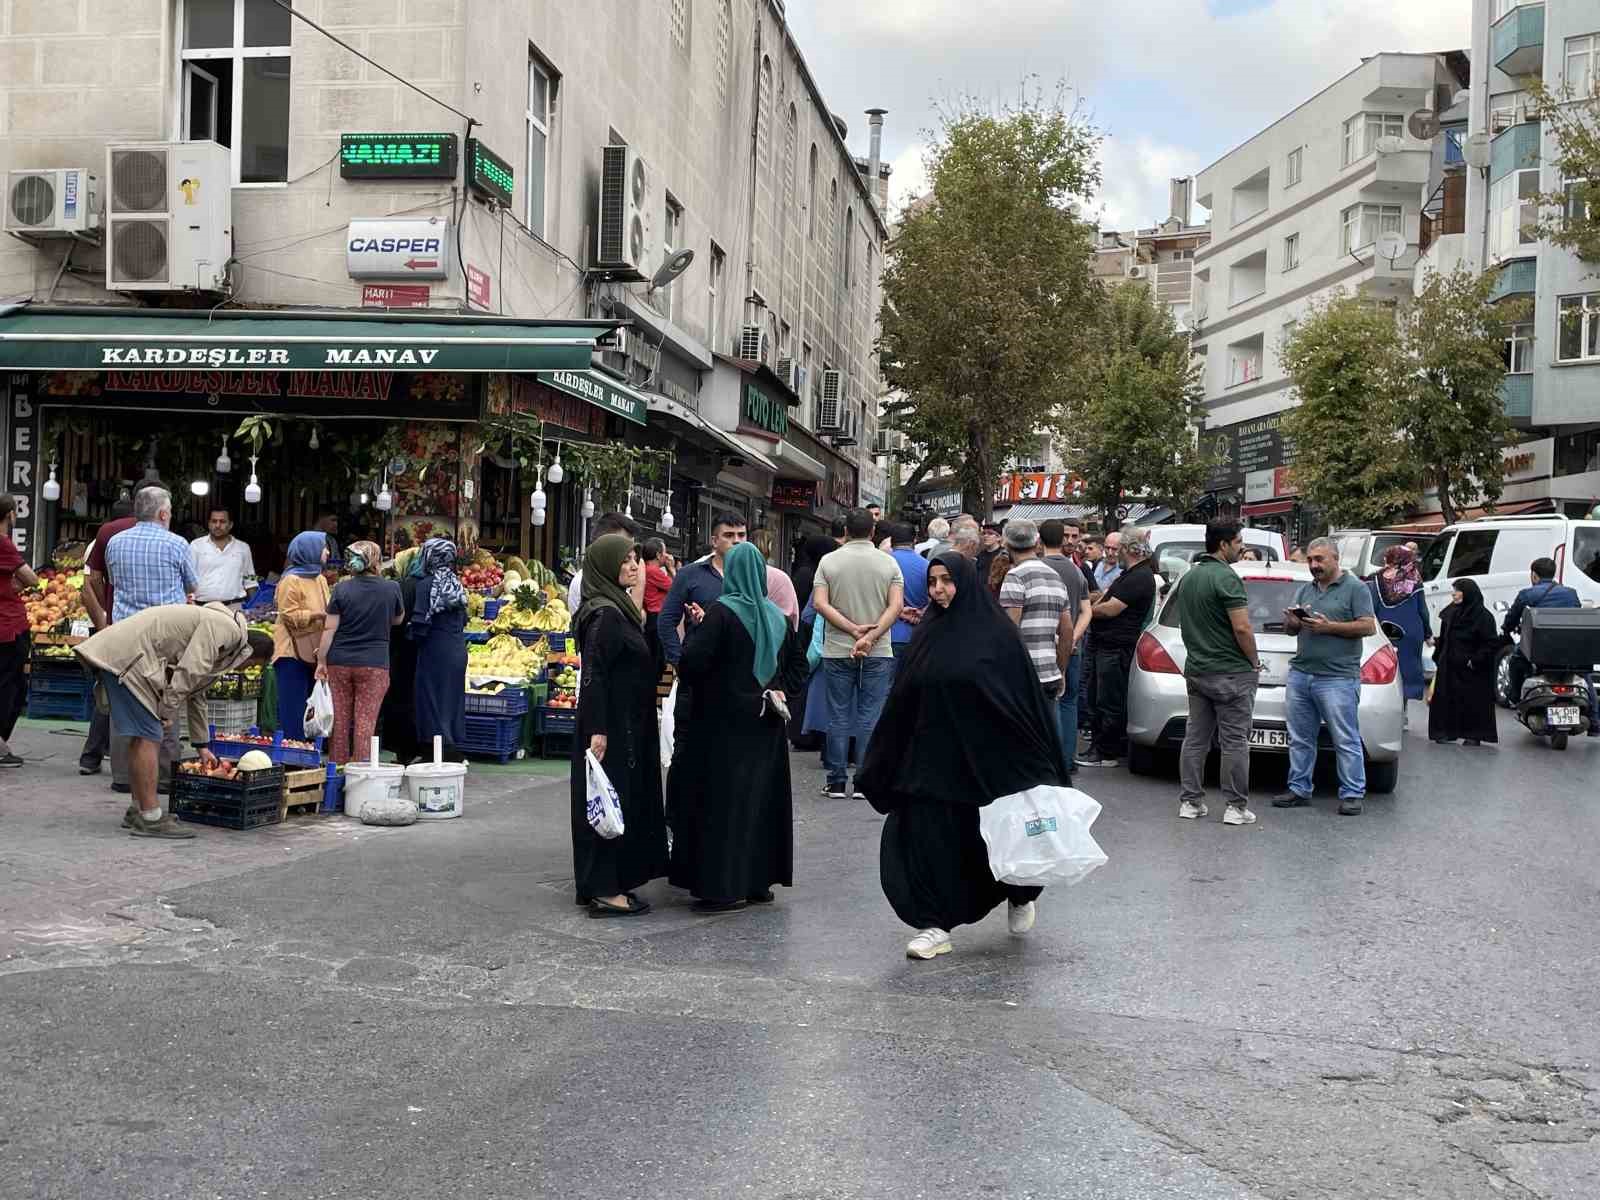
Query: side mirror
1392	631
1501	606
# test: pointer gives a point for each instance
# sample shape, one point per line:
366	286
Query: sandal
602	908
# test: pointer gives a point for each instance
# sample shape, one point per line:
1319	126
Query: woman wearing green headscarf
617	722
731	803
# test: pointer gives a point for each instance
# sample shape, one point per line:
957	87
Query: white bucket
372	781
437	789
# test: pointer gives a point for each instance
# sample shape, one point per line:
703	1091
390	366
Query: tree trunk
977	474
1447	504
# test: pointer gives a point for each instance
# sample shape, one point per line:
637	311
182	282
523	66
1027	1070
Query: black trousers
1111	669
13	683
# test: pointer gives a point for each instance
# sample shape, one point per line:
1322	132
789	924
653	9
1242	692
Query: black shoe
1471	742
1443	741
85	769
10	760
761	898
718	906
122	788
1350	807
635	908
1290	800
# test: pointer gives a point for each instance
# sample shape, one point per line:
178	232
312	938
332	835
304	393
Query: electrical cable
289	245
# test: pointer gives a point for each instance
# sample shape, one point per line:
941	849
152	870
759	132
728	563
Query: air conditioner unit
169	216
787	370
830	403
1137	272
752	343
623	241
55	202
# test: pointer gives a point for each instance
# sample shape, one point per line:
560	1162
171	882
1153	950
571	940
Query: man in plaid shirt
150	564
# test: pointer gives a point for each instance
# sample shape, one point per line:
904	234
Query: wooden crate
303	791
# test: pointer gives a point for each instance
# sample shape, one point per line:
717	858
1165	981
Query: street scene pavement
1399	1004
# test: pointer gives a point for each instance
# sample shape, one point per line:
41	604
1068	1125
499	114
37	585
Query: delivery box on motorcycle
1562	638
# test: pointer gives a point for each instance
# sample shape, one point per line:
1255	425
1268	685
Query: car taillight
1152	656
1381	667
1562	689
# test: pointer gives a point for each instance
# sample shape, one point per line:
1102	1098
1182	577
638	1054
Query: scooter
1555	704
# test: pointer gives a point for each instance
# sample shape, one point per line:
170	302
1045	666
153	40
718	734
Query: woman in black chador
1464	658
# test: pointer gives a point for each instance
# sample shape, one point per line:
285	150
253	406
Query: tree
987	288
1135	406
1348	367
1571	218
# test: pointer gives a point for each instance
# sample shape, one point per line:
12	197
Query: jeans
1111	669
1067	711
13	684
857	688
1315	700
1219	706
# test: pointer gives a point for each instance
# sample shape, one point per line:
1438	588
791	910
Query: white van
1495	553
1174	547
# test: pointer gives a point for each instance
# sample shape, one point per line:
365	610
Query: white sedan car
1158	701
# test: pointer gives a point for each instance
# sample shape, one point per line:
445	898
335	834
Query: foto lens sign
488	174
397	156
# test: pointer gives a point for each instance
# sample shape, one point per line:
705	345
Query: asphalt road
1400	1004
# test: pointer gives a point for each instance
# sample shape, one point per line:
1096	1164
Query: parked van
1495	553
1361	551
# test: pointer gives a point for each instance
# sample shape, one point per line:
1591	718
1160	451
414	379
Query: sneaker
930	943
1019	917
1290	800
1238	815
129	817
88	769
166	828
1350	807
858	794
835	791
1190	811
1095	760
10	760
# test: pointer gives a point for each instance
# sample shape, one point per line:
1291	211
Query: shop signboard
398	248
794	493
601	391
1043	486
946	503
351	393
395	295
764	411
1245	448
488	174
842	486
526	394
479	288
397	156
21	436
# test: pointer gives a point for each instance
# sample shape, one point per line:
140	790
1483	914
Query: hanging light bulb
667	520
200	488
51	490
252	490
366	498
557	471
385	498
224	463
80	502
588	504
538	500
314	443
537	517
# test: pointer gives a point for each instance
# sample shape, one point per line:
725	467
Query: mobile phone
1299	611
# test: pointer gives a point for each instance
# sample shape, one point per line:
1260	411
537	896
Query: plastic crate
233	685
491	609
558	720
54	664
477	635
57	684
231	716
60	706
252	800
538	693
510	702
286	756
493	737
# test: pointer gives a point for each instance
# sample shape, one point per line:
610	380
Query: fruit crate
312	790
477	635
252	800
499	738
234	685
286	756
558	720
491	609
231	716
44	705
512	702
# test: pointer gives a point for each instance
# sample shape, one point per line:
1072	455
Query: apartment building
732	152
1329	197
1162	255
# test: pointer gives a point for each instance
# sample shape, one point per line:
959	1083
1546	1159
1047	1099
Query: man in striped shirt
1036	599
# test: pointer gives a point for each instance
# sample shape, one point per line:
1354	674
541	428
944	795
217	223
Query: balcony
1517	278
1400	172
1516	397
1514	149
1516	41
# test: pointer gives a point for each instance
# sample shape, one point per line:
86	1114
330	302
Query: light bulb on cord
51	490
252	490
537	517
224	463
538	499
200	488
557	471
314	443
365	498
385	500
667	520
588	505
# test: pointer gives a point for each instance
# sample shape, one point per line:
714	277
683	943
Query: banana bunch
553	617
505	656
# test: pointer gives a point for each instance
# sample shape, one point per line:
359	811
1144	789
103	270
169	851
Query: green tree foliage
987	288
1572	123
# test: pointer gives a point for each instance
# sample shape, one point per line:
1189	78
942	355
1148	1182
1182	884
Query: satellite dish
1476	150
671	269
1423	125
1391	245
1389	145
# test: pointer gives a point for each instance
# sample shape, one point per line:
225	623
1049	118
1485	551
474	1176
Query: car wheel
1383	776
1558	741
1502	679
1143	760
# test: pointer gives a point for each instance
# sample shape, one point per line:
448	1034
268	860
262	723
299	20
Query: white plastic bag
318	719
668	725
605	814
1041	836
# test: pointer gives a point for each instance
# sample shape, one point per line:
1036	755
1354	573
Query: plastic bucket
437	789
366	781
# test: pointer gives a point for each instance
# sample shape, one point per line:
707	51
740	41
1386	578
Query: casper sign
398	249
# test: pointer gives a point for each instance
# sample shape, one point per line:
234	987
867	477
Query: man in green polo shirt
1221	670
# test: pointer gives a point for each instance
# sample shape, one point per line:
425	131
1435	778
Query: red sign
1036	485
794	493
394	295
1283	482
478	287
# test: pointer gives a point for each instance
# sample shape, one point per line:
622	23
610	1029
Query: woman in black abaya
965	724
1464	658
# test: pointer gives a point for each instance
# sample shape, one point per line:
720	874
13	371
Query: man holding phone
1331	615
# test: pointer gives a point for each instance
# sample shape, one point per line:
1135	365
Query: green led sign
488	174
397	155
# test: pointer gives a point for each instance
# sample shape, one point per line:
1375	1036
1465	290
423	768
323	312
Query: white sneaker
1020	917
1237	816
930	943
1189	810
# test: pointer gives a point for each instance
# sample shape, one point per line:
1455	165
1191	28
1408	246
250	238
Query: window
1513	212
236	83
719	263
1586	551
1578	328
1362	131
1247	278
849	248
806	384
678	24
1580	202
811	195
1362	223
1293	168
1499	8
1433	557
671	235
1519	349
1251	197
1583	56
1474	551
541	100
1291	252
1244	360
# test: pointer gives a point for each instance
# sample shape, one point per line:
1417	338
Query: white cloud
1135	177
909	177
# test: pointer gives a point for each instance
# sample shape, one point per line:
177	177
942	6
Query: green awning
93	339
601	390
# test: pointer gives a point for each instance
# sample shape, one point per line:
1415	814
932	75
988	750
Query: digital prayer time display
397	156
488	174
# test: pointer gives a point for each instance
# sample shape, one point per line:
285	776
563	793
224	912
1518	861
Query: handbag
601	807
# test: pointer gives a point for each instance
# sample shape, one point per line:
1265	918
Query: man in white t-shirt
224	565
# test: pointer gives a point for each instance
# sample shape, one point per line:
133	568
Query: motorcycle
1563	644
1555	704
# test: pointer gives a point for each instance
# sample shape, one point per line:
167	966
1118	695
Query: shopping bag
318	719
1041	836
603	810
668	725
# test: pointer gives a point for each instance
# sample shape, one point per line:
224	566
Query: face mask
357	563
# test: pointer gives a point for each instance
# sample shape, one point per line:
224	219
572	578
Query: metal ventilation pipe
875	156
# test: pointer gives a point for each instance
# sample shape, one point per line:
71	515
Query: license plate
1561	716
1269	739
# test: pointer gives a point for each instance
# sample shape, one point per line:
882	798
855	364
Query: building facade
1161	256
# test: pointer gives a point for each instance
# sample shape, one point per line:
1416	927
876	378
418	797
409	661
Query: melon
254	760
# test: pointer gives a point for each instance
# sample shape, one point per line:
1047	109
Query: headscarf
371	557
407	563
305	553
811	553
781	592
439	589
1399	577
602	563
966	721
1471	599
744	589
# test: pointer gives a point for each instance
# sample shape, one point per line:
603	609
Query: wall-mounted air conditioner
52	202
169	216
830	403
1137	272
752	343
623	222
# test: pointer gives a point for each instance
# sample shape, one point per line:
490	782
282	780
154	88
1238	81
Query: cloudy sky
1174	84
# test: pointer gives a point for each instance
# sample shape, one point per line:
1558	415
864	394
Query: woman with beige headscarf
354	655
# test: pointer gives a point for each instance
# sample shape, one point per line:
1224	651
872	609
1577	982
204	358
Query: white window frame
1509	196
1567	187
671	231
1588	305
1362	131
1386	218
534	121
714	274
237	54
1294	167
1499	8
1587	46
1519	348
1251	371
1291	251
